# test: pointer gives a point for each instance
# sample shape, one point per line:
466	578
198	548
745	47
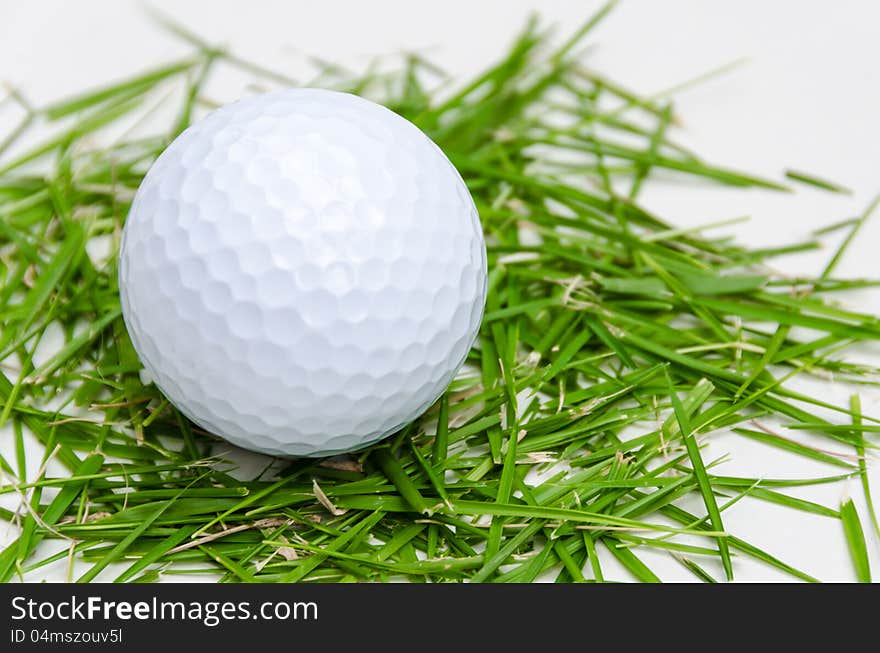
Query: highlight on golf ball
302	272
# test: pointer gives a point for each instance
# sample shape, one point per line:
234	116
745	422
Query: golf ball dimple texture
302	272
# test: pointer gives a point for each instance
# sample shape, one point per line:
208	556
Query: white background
808	98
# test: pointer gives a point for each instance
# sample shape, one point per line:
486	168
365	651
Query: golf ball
302	272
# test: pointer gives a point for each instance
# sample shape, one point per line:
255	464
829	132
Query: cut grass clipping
613	347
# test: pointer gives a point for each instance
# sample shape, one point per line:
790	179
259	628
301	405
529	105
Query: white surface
809	98
303	272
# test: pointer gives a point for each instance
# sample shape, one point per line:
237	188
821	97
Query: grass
614	346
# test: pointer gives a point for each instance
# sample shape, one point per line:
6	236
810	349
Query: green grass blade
855	538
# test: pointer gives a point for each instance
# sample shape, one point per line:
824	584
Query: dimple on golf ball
302	272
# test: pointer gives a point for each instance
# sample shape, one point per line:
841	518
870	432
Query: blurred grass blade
855	538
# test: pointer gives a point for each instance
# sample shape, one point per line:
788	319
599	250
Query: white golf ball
303	272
